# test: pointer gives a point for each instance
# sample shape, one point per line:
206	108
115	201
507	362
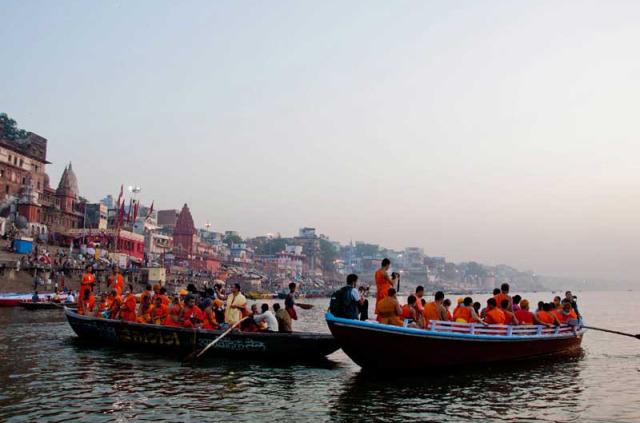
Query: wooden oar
304	306
574	322
197	354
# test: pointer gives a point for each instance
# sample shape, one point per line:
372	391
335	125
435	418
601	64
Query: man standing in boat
383	282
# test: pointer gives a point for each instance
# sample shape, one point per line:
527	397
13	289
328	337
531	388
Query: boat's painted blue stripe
429	333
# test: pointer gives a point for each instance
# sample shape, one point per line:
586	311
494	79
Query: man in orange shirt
434	310
525	317
115	302
504	295
159	312
116	281
88	281
419	294
86	304
163	296
144	310
128	308
383	282
494	315
192	315
389	310
545	315
147	292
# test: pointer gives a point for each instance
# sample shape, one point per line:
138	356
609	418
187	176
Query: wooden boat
372	345
14	300
297	346
45	305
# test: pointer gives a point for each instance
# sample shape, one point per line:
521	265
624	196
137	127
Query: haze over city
489	131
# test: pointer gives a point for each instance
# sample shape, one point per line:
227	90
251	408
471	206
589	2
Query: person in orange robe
115	302
383	282
191	315
389	309
86	304
466	313
566	313
128	308
509	317
447	303
159	312
88	281
494	315
504	295
208	316
524	316
175	313
116	281
545	315
434	310
144	310
101	307
163	296
147	292
409	309
419	294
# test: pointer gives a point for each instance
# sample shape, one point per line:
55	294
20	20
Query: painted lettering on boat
150	338
240	345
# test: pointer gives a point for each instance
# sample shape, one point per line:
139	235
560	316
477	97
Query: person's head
206	303
114	293
191	288
176	299
362	290
447	303
264	307
292	287
477	306
192	301
460	301
183	293
89	268
386	263
504	304
208	292
163	291
516	299
115	270
254	308
411	300
149	287
419	291
352	279
568	295
467	301
392	293
547	307
130	287
491	303
439	297
524	304
504	288
276	307
556	301
158	301
236	288
156	288
496	291
567	307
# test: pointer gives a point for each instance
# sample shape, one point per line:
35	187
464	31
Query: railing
504	330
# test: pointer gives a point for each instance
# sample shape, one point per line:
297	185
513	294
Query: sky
497	131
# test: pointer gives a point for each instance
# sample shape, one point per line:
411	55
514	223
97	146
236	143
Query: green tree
328	253
10	130
232	239
271	246
367	250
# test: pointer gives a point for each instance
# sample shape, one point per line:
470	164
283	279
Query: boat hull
298	347
375	346
45	305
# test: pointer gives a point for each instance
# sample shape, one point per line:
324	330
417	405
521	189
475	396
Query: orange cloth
419	305
382	286
406	312
128	310
144	294
116	283
545	317
557	313
145	313
175	311
524	317
209	318
564	318
158	312
499	297
430	312
114	306
193	312
165	300
449	316
86	306
387	312
87	280
462	313
495	317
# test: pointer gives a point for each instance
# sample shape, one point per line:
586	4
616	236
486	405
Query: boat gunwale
424	333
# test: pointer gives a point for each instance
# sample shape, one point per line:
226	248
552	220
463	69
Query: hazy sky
502	132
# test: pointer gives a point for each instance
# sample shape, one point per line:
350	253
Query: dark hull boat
45	305
290	347
447	344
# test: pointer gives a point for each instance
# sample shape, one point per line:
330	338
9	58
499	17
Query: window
9	158
7	189
36	169
38	184
24	180
15	160
21	162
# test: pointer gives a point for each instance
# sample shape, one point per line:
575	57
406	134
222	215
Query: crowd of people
500	309
211	309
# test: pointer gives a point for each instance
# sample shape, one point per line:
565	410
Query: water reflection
548	389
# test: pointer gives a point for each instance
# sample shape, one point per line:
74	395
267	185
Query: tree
10	130
271	246
363	249
328	253
232	239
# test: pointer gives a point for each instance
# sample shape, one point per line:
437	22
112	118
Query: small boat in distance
372	345
45	305
14	300
289	347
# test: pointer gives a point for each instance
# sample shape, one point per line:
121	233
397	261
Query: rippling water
47	376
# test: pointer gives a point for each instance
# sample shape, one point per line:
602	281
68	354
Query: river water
47	376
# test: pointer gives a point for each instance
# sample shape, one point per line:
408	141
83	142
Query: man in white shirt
268	317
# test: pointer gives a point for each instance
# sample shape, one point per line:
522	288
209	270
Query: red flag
121	214
150	210
129	210
120	196
135	211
